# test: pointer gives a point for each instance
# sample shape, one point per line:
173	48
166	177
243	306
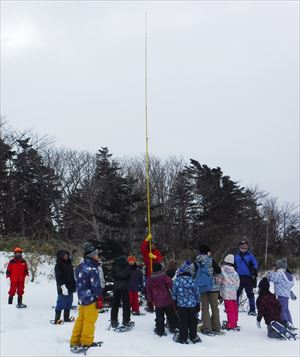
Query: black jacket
64	273
121	273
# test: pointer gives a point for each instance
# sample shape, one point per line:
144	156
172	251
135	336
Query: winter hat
229	259
89	250
281	263
131	258
156	267
186	267
17	250
264	284
204	249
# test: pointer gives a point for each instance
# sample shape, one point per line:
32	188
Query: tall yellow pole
147	148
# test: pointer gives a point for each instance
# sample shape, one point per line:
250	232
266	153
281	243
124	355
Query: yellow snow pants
84	328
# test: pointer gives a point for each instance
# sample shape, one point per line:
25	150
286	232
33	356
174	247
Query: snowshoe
21	306
173	330
252	313
138	313
219	333
56	322
102	311
197	339
208	332
177	340
79	349
224	327
283	331
70	319
127	326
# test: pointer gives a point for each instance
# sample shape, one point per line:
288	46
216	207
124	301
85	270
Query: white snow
27	332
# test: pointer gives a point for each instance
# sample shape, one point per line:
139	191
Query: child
229	284
186	296
158	287
268	308
283	283
89	292
135	284
17	272
121	275
66	286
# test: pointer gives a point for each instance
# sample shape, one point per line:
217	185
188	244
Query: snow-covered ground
27	332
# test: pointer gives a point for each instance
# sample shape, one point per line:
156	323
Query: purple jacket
158	288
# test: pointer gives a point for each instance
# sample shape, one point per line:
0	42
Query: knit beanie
131	258
156	267
204	249
90	251
281	263
229	259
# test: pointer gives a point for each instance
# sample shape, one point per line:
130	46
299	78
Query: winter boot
20	305
57	320
67	317
10	300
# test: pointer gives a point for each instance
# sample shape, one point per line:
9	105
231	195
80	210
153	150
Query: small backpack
203	278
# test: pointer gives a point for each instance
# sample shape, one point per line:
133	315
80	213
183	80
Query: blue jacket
240	265
88	283
185	291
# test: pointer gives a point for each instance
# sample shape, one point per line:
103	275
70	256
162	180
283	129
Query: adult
66	286
17	273
206	272
247	267
89	292
121	275
155	255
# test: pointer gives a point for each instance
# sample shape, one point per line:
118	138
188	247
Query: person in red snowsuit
156	256
17	271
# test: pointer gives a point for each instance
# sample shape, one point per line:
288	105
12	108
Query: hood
228	269
202	258
60	254
121	262
156	278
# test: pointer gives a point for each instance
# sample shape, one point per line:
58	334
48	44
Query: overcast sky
223	81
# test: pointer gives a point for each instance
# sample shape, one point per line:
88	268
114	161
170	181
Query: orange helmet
18	250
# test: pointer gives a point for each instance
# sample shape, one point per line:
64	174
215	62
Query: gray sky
223	81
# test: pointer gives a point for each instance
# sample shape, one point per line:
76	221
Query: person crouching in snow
135	285
89	292
158	287
268	308
66	286
283	283
186	295
17	273
229	283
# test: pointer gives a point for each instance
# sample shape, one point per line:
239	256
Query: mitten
148	237
99	302
64	290
152	256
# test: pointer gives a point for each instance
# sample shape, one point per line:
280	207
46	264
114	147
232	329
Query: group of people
177	293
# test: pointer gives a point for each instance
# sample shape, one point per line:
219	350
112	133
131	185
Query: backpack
203	278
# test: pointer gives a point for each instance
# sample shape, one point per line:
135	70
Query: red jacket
17	270
145	252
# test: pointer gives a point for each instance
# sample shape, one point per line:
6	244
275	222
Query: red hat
17	250
131	258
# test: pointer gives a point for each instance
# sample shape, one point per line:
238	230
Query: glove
198	307
8	281
258	324
99	302
254	274
148	237
64	290
293	296
26	280
152	256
